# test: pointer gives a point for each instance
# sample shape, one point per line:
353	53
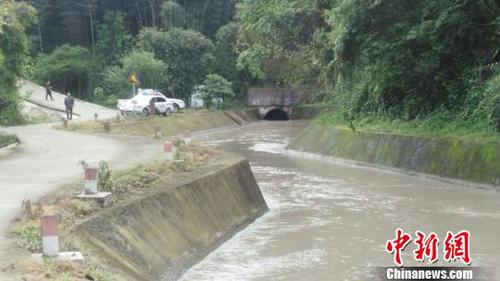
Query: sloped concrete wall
464	160
161	235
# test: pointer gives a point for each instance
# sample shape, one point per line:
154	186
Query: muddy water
330	221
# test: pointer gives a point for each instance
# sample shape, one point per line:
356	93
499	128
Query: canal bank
472	161
160	235
174	124
162	218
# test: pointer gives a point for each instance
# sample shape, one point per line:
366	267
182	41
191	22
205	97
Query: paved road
48	158
85	110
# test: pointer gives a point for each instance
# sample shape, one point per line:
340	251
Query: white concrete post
187	137
91	176
169	149
50	237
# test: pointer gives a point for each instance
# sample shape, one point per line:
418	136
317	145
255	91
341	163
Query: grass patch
7	139
435	125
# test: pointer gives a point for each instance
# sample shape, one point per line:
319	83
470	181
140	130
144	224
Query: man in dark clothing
48	91
69	102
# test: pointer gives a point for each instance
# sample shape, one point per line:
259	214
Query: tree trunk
40	36
153	12
92	27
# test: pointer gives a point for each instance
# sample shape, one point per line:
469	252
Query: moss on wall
159	236
309	111
477	161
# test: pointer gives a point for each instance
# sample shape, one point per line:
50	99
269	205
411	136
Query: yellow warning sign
133	80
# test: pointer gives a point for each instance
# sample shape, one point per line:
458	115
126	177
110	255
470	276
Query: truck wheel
176	107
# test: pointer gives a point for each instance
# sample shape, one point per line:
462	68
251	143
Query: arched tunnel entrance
276	114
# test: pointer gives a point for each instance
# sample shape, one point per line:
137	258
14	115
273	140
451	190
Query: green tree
15	17
187	54
113	40
152	74
215	86
67	67
173	15
225	52
277	40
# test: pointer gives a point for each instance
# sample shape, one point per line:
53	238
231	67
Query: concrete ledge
456	159
160	235
64	256
101	197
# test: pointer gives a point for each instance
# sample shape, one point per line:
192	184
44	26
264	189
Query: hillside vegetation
421	66
429	65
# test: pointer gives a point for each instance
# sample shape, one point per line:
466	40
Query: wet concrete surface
329	220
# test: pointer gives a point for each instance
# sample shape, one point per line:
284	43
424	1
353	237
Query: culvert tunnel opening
276	114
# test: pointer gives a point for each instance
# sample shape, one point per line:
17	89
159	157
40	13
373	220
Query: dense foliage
14	19
393	61
398	60
187	54
68	68
112	38
215	86
152	73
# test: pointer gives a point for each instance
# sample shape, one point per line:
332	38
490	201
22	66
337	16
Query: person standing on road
48	91
69	102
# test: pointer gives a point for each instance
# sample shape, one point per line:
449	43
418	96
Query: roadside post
91	176
96	117
50	236
169	150
158	133
107	127
49	232
91	188
65	123
187	136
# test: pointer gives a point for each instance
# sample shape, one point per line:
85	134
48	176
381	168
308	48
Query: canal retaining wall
172	125
159	236
474	161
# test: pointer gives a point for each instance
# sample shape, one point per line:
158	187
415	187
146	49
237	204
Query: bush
215	86
68	69
152	74
187	54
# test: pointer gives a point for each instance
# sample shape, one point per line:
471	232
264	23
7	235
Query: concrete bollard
187	137
158	133
50	237
107	127
65	123
169	149
96	117
91	176
118	117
